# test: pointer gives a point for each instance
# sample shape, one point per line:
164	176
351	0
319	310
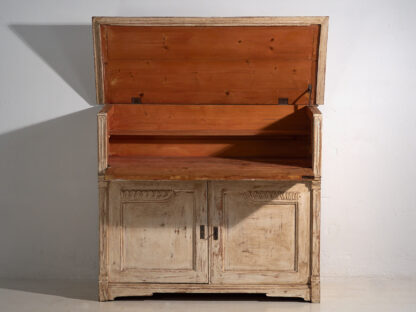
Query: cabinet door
263	234
154	232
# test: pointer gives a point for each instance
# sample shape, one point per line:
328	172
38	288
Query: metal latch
202	232
215	232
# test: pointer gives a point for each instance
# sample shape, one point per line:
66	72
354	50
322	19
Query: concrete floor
352	295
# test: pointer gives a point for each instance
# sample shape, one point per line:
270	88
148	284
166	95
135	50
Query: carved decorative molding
271	195
146	195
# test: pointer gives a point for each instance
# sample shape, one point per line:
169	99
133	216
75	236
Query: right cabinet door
260	232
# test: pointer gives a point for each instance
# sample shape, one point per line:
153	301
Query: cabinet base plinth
115	290
315	290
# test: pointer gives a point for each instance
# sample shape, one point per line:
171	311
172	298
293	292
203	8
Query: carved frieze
271	195
146	195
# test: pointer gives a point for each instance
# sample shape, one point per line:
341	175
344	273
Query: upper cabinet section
273	60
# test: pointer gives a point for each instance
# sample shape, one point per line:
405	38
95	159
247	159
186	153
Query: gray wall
48	195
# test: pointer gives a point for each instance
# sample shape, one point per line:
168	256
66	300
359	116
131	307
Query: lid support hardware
285	101
310	94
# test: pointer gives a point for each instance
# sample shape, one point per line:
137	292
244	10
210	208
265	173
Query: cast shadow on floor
71	289
211	297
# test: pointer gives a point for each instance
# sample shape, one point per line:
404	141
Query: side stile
103	227
315	240
317	144
102	136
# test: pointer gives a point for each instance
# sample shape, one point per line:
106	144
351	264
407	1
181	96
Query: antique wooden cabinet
209	154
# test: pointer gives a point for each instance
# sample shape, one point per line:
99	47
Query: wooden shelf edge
209	133
207	168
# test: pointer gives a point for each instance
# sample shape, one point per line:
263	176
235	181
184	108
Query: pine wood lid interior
210	61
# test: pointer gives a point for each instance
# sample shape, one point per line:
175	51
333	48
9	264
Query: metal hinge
136	100
283	101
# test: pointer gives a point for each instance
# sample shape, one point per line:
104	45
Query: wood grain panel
219	147
176	42
191	65
209	130
207	118
205	82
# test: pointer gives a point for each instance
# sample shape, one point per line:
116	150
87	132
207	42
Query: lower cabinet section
205	237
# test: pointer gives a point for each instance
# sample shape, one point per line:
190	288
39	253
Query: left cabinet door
156	232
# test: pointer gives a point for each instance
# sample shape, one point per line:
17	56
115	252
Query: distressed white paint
47	88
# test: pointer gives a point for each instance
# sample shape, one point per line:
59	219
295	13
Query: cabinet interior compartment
169	141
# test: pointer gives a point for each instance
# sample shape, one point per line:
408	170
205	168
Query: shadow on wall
48	199
67	49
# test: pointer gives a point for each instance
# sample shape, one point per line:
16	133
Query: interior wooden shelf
208	133
207	168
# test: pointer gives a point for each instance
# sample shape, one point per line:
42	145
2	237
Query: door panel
154	232
263	232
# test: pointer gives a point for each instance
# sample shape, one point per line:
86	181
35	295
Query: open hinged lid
255	60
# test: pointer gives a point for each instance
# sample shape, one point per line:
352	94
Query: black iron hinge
136	100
